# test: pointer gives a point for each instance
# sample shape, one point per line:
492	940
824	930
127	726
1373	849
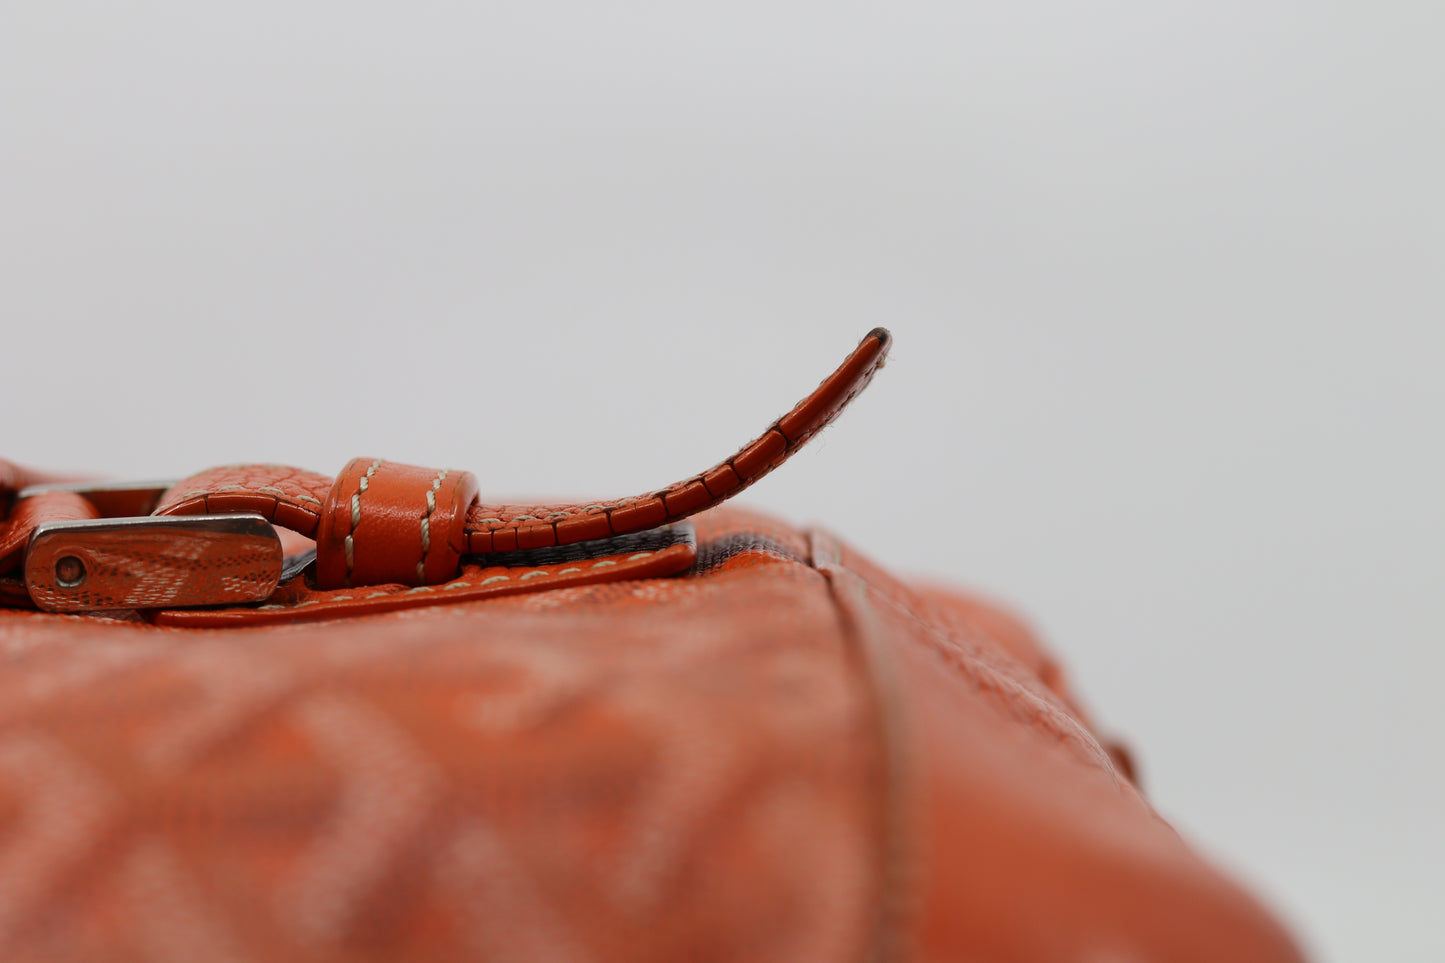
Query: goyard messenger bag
265	714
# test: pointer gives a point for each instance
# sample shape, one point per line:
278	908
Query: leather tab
385	522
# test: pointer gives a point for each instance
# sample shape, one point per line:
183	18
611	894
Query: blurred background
1165	279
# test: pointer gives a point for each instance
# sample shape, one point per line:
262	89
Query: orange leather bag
647	729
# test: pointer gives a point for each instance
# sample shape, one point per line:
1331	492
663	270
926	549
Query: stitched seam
356	518
431	507
878	675
1006	694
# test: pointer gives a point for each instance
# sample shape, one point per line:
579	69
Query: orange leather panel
782	754
640	771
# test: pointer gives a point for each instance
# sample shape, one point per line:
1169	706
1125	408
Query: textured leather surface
615	772
783	754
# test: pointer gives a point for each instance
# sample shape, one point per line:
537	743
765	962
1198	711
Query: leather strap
301	500
384	523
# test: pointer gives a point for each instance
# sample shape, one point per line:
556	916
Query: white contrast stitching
567	570
496	578
308	498
533	574
431	506
356	518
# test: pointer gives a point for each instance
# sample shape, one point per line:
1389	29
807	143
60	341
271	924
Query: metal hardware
69	572
294	565
130	559
111	499
152	562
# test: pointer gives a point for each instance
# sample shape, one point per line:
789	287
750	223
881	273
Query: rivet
69	572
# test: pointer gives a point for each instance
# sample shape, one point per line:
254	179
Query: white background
1165	278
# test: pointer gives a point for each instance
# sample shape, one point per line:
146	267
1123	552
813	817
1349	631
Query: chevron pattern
654	770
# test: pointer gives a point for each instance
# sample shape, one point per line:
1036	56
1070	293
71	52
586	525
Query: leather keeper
386	523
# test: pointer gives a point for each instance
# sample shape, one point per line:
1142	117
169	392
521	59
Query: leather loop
384	523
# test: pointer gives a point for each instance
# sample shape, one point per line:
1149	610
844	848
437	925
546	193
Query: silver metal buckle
111	499
140	561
